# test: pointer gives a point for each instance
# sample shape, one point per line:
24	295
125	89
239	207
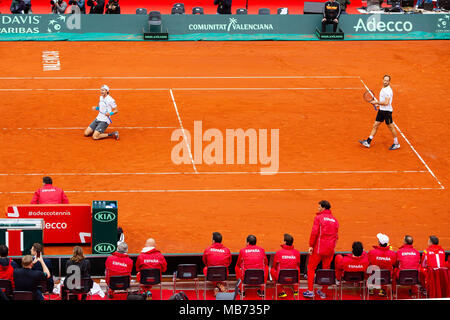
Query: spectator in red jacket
432	258
252	257
7	265
384	257
48	194
408	258
150	258
323	239
118	264
286	258
357	261
216	255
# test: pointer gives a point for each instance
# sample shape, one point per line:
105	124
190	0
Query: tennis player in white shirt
385	109
106	108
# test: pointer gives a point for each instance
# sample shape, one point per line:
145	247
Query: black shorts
99	126
385	116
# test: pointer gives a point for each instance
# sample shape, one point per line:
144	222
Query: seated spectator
408	258
113	7
84	269
252	257
20	7
357	261
216	255
223	6
433	259
37	250
79	4
344	4
27	279
97	6
58	6
384	257
331	13
150	257
7	265
285	258
118	264
48	194
419	3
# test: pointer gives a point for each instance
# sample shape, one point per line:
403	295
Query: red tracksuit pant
314	260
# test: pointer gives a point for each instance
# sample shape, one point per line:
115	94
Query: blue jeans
420	2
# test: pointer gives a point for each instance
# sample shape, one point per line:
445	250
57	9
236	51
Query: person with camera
224	6
113	7
79	4
97	6
58	6
20	7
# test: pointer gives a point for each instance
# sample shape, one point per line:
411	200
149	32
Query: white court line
417	154
82	128
182	129
208	173
230	190
165	89
188	77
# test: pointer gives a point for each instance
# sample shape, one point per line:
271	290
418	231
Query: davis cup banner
63	223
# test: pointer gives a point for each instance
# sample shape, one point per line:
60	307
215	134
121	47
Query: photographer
113	7
224	6
97	6
58	6
79	4
20	6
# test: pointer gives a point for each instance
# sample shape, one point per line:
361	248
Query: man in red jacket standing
216	255
355	262
384	257
118	264
48	194
286	258
150	258
323	239
252	257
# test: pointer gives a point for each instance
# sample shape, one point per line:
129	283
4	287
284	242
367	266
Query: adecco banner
65	223
222	27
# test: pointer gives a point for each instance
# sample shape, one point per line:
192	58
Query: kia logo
105	216
104	248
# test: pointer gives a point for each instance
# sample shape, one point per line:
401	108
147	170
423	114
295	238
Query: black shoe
260	293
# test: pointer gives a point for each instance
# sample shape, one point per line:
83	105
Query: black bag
179	296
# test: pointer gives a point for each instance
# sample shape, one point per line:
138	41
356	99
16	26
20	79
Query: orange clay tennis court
310	91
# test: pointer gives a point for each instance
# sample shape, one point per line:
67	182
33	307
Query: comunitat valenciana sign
232	25
30	24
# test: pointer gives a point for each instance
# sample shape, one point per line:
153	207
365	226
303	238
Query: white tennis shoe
365	143
395	146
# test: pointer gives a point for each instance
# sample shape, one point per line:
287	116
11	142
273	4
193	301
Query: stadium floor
310	91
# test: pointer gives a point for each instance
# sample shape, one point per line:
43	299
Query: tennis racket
368	96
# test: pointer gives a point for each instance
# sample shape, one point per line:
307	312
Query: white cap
105	87
382	238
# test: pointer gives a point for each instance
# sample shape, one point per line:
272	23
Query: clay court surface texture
310	91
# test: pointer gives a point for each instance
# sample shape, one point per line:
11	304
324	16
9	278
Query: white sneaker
365	143
395	146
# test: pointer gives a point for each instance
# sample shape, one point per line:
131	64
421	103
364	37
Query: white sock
395	141
371	137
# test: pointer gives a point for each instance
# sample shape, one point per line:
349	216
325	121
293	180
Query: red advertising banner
63	223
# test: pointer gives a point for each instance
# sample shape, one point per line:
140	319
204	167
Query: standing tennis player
106	108
384	114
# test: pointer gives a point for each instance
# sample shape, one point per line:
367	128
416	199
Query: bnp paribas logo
444	22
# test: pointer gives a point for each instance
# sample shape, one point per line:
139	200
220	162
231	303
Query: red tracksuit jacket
286	258
349	263
433	257
118	264
151	259
383	257
48	194
217	255
6	270
324	233
408	257
252	257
